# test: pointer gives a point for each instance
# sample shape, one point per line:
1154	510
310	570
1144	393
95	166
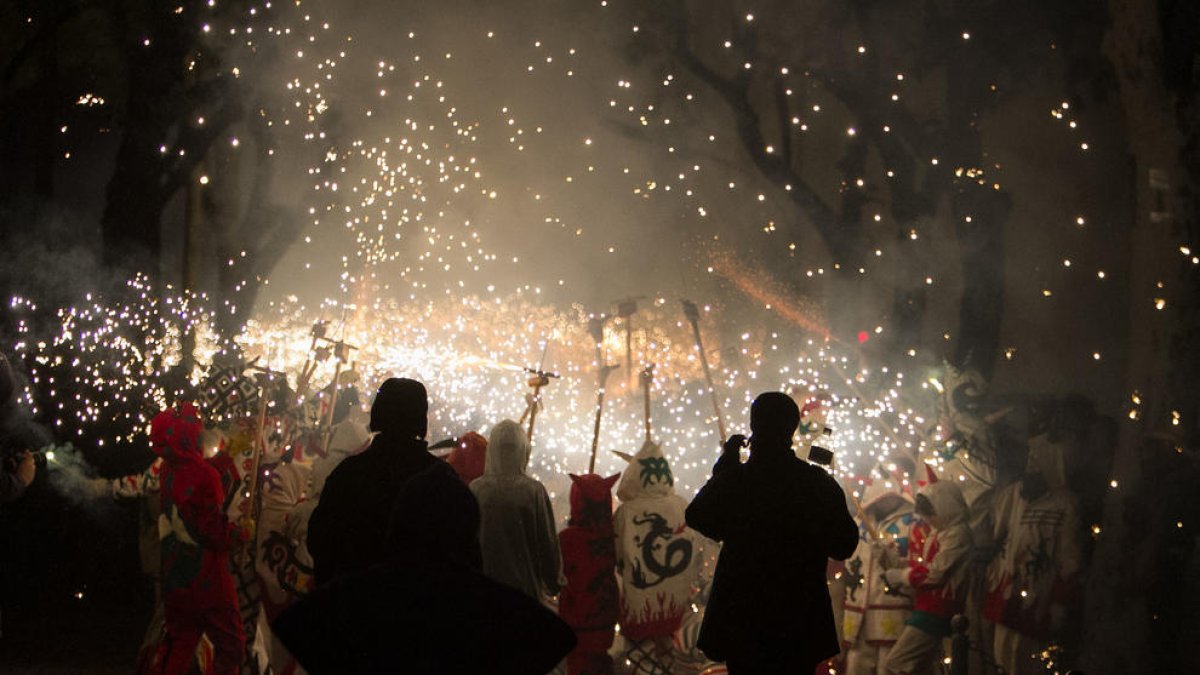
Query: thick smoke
70	475
63	467
18	430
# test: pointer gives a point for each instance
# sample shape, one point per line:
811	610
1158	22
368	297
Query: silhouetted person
429	609
517	534
347	528
780	519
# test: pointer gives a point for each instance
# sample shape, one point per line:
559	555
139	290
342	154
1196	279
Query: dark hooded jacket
348	527
780	519
428	609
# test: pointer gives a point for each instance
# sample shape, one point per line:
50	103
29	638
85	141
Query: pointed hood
285	486
649	475
507	450
175	433
949	507
468	456
591	501
885	496
1048	458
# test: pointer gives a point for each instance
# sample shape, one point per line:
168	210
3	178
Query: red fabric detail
222	625
922	550
993	604
467	457
1034	620
834	567
228	473
589	602
176	430
581	662
916	541
659	623
195	576
591	502
1010	613
930	476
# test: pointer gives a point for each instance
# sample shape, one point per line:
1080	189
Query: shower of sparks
403	188
471	353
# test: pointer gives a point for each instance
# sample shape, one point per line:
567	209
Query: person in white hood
1031	583
517	533
937	573
654	549
875	612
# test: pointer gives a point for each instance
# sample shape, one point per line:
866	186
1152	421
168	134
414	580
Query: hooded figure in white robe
655	549
517	534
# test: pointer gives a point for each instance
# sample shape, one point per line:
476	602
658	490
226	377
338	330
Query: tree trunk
1118	618
139	188
979	212
132	219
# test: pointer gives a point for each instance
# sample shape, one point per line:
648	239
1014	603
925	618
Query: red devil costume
468	456
195	538
588	603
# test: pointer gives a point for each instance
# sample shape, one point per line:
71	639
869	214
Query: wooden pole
310	364
327	434
693	316
341	352
647	380
602	377
626	309
533	406
537	382
259	447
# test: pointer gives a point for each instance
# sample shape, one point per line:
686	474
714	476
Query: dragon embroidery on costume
854	577
293	576
1037	561
678	552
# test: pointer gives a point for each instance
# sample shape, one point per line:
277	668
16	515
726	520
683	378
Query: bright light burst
471	353
402	172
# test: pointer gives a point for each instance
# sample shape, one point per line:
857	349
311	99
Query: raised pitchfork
603	370
693	316
647	378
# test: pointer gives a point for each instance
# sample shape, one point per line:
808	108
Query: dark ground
72	596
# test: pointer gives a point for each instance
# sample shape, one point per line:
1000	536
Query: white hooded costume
875	612
516	533
655	550
1031	583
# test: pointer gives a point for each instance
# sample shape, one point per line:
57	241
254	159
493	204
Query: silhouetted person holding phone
780	519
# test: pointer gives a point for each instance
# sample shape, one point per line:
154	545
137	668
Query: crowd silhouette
383	557
409	562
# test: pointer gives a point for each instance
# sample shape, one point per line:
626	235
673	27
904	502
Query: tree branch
783	116
735	92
